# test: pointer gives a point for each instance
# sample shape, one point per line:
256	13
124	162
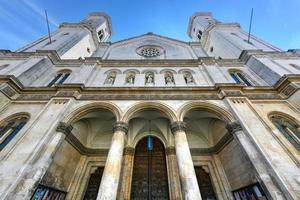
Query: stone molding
170	151
120	126
178	126
234	127
64	128
129	151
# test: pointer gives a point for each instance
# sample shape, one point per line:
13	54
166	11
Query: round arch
82	110
141	136
221	112
14	116
149	105
283	115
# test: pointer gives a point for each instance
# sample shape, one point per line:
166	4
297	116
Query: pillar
111	175
125	187
190	188
174	179
271	189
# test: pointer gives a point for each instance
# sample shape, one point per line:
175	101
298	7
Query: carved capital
178	126
64	128
120	126
234	127
129	151
170	151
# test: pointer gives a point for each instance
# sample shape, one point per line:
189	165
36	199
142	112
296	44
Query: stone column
125	187
111	175
190	188
271	189
174	179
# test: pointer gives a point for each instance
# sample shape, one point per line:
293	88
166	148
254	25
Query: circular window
149	51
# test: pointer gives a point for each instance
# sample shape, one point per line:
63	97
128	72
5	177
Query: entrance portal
150	178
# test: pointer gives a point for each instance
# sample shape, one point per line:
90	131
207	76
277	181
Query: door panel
94	184
205	185
150	179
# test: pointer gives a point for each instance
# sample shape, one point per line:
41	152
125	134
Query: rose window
149	51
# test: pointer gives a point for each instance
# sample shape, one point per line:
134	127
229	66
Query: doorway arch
150	177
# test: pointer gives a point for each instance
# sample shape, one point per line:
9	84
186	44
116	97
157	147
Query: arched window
149	78
188	77
10	128
60	78
288	128
169	78
110	79
130	78
239	77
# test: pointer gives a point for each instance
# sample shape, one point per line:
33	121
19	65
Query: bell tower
223	40
75	40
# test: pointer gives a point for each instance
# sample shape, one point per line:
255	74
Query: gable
150	44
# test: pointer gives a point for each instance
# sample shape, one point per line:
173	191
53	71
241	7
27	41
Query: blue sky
276	21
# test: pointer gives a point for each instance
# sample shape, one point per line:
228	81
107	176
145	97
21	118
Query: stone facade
219	104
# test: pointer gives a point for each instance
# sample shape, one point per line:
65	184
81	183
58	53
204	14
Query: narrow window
199	35
8	130
100	35
289	129
59	79
239	78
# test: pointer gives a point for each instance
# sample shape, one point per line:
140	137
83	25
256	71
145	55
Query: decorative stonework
170	151
234	127
64	128
178	126
149	51
289	90
129	151
120	126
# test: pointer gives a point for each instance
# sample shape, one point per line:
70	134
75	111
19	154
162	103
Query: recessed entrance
150	178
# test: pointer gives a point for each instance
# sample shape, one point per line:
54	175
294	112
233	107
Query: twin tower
80	40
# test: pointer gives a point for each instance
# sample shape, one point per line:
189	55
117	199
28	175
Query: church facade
149	117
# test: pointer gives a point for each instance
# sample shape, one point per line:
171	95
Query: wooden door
205	185
150	178
94	184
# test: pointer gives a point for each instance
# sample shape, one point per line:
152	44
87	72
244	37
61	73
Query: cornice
282	90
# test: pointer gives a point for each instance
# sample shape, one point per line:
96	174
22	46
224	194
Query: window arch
60	78
169	78
149	78
188	77
111	77
130	78
289	129
10	128
240	78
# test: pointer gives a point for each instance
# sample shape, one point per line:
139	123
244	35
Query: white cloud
41	12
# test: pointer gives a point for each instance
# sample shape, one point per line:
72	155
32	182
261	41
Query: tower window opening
199	35
100	35
211	49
